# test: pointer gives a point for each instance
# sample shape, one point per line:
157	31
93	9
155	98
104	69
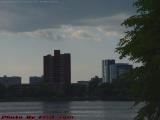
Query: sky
87	29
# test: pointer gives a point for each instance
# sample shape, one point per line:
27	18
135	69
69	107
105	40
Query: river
76	110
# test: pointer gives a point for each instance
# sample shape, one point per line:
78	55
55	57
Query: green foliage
93	85
2	91
142	45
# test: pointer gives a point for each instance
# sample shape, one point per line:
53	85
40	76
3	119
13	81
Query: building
96	80
10	81
118	69
84	83
57	68
106	70
34	80
112	71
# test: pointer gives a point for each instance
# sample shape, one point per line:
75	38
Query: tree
141	44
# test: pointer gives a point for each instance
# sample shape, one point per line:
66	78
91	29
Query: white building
106	70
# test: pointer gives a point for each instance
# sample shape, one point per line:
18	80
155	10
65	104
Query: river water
76	110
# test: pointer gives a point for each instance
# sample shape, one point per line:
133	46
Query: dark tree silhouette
142	45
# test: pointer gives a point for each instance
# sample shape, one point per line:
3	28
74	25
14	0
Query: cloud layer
23	16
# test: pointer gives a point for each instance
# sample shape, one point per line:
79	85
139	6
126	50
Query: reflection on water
56	108
84	110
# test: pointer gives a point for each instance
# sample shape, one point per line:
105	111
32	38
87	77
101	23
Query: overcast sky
88	29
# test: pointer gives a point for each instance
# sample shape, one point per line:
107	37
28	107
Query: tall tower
106	70
57	68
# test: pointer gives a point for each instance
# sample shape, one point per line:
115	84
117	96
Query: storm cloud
32	15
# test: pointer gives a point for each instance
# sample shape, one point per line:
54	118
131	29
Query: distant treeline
95	90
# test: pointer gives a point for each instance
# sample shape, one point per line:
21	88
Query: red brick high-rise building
57	68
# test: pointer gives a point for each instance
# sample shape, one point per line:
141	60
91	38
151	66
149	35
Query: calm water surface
85	110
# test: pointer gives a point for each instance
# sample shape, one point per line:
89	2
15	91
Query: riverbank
27	99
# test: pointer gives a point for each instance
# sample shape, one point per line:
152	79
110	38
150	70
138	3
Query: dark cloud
21	16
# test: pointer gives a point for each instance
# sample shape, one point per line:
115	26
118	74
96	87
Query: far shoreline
62	100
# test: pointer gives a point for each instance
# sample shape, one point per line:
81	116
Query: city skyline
57	69
89	30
